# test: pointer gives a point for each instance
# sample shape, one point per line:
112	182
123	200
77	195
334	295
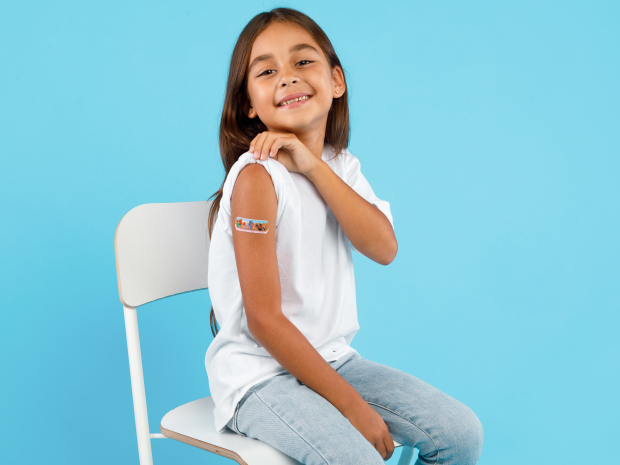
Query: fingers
380	446
266	144
277	143
263	144
257	144
389	446
385	447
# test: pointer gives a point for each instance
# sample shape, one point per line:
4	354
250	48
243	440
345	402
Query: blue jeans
283	412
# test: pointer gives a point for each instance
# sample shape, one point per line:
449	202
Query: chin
299	122
288	126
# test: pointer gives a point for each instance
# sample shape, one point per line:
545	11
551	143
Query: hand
373	428
286	148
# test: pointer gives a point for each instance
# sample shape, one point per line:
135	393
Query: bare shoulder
254	189
253	174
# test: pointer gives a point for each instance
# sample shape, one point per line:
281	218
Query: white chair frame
162	249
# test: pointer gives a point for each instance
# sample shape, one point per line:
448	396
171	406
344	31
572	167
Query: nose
288	76
286	81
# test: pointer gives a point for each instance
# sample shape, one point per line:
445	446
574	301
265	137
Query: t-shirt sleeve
356	180
273	167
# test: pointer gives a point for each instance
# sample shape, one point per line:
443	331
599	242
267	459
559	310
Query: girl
281	368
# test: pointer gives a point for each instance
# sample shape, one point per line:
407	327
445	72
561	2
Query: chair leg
137	386
406	456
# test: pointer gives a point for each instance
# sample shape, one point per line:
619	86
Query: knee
466	437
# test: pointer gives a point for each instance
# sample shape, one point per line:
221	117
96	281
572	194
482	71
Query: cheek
264	100
325	99
323	86
261	97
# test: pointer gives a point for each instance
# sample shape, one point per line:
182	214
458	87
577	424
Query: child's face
285	72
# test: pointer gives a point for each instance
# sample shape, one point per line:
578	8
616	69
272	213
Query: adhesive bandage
251	226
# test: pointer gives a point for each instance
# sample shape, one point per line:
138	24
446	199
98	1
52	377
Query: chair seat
193	424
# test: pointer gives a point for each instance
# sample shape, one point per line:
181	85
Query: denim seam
417	426
293	429
234	423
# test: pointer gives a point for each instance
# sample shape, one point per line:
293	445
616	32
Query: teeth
305	97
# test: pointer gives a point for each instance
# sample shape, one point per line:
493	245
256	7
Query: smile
296	102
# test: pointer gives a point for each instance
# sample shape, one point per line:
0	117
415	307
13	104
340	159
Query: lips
293	96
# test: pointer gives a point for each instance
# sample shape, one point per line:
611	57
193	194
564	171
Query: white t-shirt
316	278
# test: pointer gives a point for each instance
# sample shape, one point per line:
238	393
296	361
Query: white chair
161	250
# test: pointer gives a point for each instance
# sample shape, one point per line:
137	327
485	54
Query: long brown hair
237	130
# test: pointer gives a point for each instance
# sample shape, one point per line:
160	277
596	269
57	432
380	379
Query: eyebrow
294	48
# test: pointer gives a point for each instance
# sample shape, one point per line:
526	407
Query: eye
272	69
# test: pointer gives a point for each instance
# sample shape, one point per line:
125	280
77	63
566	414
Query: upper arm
358	182
254	197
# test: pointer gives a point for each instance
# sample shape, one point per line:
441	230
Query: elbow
391	255
256	326
261	326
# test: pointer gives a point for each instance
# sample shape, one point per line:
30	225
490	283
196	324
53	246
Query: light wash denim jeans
294	419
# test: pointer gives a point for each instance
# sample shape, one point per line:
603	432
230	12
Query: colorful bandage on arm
251	226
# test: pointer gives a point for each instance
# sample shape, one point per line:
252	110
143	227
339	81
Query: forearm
290	348
365	225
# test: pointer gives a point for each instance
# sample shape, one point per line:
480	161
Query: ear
249	110
338	84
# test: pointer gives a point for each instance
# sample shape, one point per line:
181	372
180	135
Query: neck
314	142
312	137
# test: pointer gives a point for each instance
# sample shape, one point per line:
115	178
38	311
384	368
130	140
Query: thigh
442	428
294	419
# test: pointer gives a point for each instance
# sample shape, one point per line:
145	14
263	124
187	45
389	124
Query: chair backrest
162	249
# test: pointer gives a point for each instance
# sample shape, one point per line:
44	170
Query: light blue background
492	128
